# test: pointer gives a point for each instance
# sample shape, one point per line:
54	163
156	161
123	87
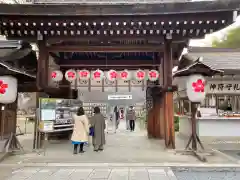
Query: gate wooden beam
130	65
140	48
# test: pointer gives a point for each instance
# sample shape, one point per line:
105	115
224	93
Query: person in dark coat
131	117
98	124
116	112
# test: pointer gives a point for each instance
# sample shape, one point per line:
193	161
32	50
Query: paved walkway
207	173
118	173
121	147
43	173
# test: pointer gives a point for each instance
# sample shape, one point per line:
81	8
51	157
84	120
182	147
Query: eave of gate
104	28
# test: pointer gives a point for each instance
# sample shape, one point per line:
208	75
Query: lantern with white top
192	87
112	75
71	75
98	75
140	75
84	74
125	75
153	75
56	75
191	82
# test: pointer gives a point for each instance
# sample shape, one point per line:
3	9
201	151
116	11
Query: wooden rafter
180	26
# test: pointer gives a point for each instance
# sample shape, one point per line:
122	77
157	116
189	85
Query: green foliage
232	40
176	123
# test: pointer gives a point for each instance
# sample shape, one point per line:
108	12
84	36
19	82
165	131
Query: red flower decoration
153	74
3	87
124	74
96	74
140	75
198	86
84	73
113	74
71	74
54	75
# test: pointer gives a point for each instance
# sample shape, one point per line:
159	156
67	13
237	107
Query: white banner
117	97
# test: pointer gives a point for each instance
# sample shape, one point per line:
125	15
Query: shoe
81	151
100	149
75	151
95	150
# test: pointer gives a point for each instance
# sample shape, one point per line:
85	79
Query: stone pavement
43	173
122	147
219	173
118	173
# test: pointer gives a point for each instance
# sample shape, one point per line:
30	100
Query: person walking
127	120
80	131
98	125
131	117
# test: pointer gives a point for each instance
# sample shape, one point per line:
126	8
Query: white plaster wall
219	128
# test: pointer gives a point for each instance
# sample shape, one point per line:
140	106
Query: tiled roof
217	58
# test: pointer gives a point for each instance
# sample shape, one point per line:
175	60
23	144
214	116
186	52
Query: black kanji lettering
228	86
236	87
220	86
213	86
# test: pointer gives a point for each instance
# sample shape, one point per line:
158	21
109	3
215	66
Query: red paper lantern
153	75
112	75
140	75
56	75
125	75
98	75
84	74
71	75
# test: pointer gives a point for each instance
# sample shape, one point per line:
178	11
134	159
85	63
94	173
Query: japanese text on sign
224	87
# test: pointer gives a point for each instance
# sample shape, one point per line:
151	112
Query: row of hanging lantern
98	75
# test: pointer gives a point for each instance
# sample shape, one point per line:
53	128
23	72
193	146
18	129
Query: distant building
224	59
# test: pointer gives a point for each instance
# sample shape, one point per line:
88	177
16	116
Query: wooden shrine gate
116	37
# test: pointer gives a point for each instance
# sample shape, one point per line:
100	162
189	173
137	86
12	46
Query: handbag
91	131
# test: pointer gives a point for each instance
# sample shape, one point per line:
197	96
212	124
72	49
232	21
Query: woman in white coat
80	131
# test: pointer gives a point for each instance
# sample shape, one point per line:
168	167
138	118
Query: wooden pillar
150	123
154	119
168	96
149	109
161	117
35	134
43	62
161	102
157	104
42	82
